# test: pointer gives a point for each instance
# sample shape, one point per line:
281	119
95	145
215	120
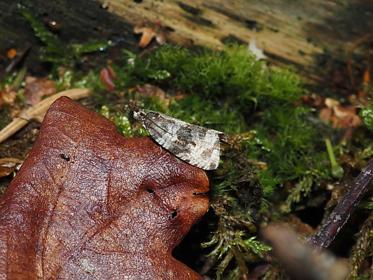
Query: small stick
38	111
301	260
341	213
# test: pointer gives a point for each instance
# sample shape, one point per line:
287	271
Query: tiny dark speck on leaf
174	214
65	157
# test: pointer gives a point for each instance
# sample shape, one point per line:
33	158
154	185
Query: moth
197	145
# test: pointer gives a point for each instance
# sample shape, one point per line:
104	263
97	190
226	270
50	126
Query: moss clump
367	116
232	92
232	76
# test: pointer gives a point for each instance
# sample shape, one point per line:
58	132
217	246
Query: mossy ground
276	164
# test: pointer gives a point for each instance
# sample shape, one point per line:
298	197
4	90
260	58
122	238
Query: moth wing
194	144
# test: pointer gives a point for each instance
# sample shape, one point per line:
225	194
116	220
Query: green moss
367	115
122	123
197	110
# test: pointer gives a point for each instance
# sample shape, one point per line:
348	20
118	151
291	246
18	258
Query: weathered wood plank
295	32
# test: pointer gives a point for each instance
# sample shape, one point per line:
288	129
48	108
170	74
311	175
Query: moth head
139	115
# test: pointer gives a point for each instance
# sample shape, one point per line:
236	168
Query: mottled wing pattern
194	144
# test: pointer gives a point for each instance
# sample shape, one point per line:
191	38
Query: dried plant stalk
38	111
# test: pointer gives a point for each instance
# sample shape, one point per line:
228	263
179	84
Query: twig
341	213
301	260
38	111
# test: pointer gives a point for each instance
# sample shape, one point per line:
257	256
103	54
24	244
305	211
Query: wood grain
290	32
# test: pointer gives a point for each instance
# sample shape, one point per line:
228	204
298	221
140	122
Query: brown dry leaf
326	114
90	204
37	88
149	90
347	116
339	116
107	77
366	76
331	103
38	111
313	100
7	96
9	165
150	32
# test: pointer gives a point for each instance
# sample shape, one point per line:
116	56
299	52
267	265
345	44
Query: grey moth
197	145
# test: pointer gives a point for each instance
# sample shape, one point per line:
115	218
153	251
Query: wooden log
298	33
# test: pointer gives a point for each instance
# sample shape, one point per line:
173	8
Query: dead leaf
9	165
340	116
331	103
7	96
149	90
366	76
90	204
37	88
149	32
313	100
347	116
107	77
38	111
326	114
